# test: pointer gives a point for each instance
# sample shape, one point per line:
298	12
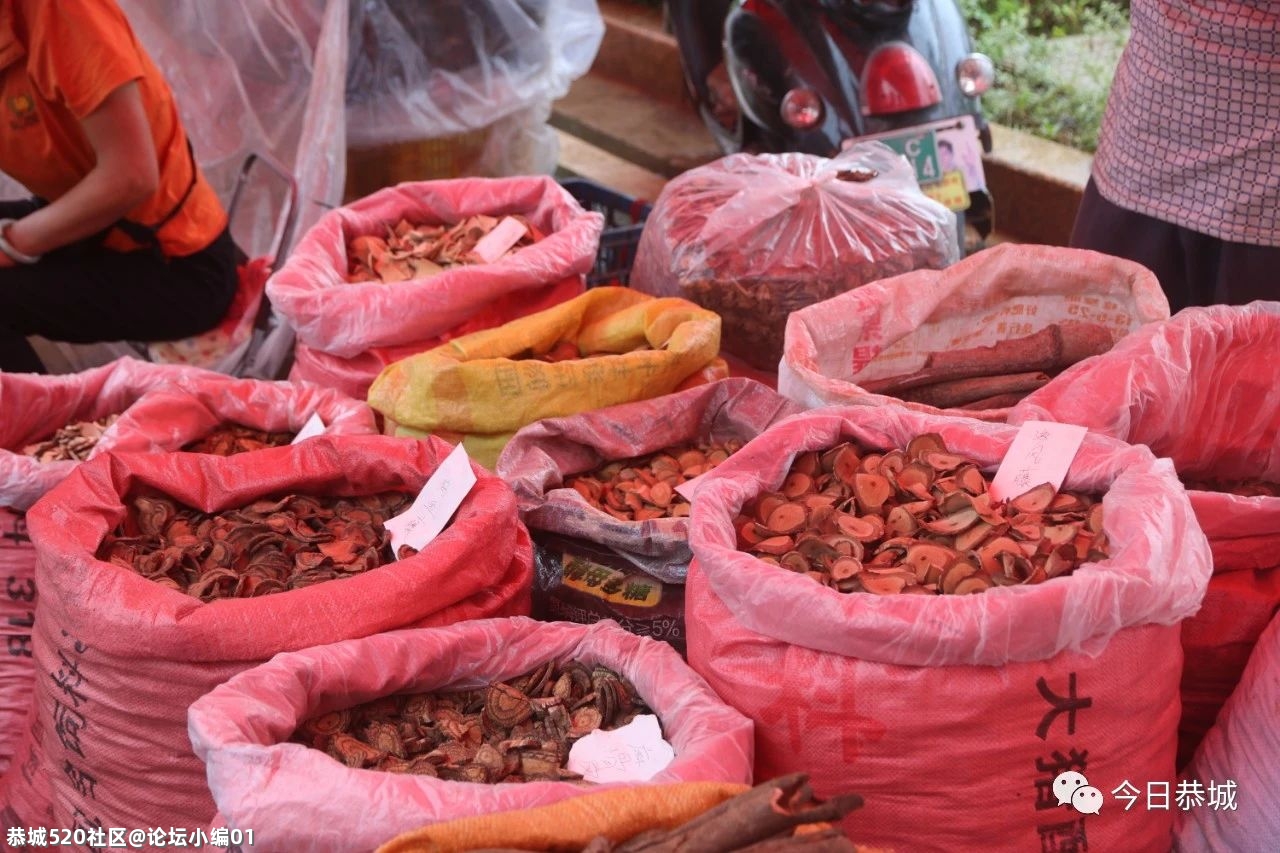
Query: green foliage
1054	18
1048	84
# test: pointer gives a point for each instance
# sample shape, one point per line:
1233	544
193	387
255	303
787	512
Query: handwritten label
435	504
499	241
635	752
1041	453
313	427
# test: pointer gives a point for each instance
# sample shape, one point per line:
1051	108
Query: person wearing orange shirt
124	238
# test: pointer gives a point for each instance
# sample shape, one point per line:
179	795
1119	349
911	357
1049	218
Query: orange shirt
58	62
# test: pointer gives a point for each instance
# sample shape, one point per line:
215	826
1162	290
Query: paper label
635	752
313	427
435	504
610	584
499	241
1041	453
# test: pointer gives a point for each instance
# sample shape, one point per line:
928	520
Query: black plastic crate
624	219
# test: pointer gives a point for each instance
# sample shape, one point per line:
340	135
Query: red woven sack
1199	389
299	799
34	408
121	658
345	319
170	418
952	715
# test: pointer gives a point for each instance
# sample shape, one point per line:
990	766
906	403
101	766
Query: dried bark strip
959	392
1049	350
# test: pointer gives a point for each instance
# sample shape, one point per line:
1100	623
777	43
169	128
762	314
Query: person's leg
1246	273
98	295
1158	246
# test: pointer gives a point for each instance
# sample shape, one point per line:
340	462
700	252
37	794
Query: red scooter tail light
897	79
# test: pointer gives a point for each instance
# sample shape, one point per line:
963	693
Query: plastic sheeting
921	701
1242	749
299	799
755	237
430	69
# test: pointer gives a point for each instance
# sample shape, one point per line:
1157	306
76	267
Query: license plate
946	156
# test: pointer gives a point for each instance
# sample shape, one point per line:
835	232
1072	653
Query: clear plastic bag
755	237
424	70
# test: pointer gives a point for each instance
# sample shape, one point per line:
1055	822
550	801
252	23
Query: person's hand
6	261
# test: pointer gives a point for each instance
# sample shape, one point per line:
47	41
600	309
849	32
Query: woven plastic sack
475	386
755	237
344	319
925	700
888	329
1240	756
171	418
299	799
34	408
1199	389
353	376
121	658
542	455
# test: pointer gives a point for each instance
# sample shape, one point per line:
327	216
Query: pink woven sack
299	799
345	319
34	408
887	329
121	658
952	715
1199	389
353	376
540	457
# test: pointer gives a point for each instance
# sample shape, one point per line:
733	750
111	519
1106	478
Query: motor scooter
815	75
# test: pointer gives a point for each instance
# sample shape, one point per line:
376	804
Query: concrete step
660	134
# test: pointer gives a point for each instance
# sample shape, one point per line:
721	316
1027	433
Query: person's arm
125	174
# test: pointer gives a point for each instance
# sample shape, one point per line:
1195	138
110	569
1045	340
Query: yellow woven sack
618	814
478	387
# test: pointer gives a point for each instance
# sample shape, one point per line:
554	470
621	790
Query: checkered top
1191	133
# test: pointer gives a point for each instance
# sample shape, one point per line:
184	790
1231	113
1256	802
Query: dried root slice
919	521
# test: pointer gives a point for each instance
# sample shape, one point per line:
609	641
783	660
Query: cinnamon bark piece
1049	350
958	392
756	815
